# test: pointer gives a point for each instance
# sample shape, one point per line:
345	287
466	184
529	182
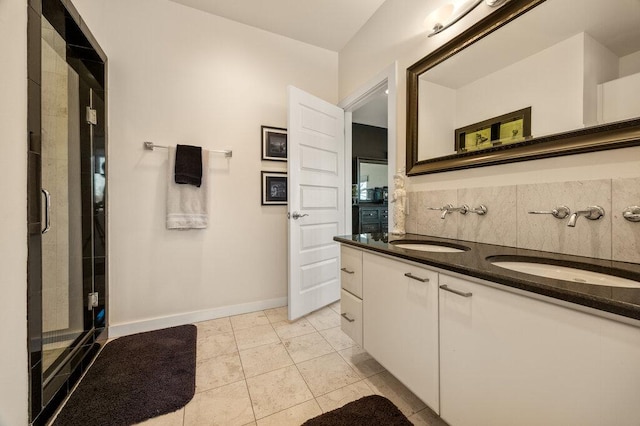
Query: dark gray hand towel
188	165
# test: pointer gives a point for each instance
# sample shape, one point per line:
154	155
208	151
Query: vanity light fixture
450	13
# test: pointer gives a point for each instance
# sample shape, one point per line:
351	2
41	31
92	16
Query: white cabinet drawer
351	270
351	318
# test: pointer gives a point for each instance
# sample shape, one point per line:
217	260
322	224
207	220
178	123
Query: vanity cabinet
351	293
400	309
508	359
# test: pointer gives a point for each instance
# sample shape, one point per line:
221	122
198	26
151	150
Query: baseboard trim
125	329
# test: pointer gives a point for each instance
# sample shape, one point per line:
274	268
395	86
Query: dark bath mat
368	411
135	378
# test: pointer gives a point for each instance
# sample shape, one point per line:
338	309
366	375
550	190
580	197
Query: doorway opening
369	162
370	153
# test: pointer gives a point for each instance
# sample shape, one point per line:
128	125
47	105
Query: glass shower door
69	213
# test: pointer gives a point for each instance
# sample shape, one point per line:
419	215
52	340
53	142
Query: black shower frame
87	58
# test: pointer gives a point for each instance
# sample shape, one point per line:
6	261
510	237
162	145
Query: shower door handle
47	211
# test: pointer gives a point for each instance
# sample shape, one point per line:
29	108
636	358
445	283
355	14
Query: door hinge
92	116
92	300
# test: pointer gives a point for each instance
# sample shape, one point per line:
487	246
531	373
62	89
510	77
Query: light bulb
435	20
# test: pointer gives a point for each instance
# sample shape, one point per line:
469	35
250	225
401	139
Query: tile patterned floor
261	369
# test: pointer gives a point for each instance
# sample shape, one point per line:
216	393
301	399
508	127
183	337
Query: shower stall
67	196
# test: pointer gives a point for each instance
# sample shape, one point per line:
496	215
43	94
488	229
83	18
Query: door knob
296	215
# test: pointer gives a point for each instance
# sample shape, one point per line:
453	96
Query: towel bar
150	146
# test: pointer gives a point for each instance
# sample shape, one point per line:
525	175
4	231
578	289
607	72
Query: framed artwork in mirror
502	130
274	188
274	143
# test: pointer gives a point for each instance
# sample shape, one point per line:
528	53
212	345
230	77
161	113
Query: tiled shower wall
507	222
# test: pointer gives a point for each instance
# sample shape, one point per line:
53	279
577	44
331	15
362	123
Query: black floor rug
368	411
135	378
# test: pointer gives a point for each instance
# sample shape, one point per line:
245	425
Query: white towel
187	204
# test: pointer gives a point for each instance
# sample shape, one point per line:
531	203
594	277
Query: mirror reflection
570	66
372	180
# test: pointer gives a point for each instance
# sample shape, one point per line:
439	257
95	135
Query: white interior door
316	201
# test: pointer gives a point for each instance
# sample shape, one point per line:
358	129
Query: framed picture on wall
506	129
274	143
274	188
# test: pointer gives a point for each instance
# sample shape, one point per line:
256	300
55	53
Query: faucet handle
481	210
594	212
559	212
632	213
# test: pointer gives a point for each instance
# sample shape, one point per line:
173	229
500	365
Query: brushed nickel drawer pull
347	271
413	277
344	315
47	211
458	292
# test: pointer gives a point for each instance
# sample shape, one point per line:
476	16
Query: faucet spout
450	209
446	209
574	217
591	213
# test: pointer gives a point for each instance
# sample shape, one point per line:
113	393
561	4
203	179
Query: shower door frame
85	56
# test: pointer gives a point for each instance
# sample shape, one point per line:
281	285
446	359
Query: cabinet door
351	270
506	359
400	320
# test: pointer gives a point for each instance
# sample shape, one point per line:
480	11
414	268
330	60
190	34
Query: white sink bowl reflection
565	273
435	248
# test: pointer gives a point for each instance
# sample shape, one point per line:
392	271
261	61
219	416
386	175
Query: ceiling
329	24
613	23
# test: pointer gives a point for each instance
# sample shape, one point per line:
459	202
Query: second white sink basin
436	248
567	274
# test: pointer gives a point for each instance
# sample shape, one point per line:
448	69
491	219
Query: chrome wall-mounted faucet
591	213
449	209
559	212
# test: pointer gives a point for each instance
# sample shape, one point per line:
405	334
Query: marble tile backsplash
508	222
590	238
625	235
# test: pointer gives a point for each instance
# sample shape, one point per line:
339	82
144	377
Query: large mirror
534	79
372	180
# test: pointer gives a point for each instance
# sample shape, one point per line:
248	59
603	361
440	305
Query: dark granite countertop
473	262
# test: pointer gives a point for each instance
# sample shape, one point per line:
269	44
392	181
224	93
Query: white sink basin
567	274
428	247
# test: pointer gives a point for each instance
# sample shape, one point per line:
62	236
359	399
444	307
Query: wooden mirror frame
602	137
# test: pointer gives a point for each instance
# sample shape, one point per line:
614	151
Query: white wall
13	213
554	73
395	32
600	65
619	99
178	75
436	125
630	64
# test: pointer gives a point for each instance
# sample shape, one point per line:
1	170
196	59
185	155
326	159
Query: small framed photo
502	130
274	143
274	188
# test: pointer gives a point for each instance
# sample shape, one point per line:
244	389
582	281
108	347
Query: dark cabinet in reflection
370	218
